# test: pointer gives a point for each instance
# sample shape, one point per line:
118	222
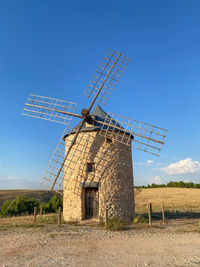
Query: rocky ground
173	244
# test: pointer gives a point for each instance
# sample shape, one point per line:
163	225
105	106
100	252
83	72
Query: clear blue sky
53	48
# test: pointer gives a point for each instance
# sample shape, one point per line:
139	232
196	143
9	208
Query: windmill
92	164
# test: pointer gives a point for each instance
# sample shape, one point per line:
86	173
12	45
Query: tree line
23	205
171	184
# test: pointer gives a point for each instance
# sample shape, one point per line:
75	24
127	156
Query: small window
108	140
90	167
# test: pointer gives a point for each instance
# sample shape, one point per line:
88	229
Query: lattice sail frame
56	161
75	167
147	137
113	61
50	109
137	134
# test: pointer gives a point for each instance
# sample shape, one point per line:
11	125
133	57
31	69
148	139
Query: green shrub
53	205
116	224
5	208
49	219
140	219
22	204
55	202
8	208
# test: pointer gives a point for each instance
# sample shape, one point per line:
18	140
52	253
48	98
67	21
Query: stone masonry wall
113	175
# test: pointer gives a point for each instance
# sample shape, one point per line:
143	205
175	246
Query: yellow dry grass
181	199
27	221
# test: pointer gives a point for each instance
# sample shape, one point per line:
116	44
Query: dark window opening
108	140
90	167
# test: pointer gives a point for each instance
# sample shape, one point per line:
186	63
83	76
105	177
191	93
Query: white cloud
150	162
11	178
183	166
156	180
147	163
3	178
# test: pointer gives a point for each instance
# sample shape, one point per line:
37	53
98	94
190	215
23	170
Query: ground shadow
171	215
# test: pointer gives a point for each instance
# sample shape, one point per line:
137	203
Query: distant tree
181	184
22	204
53	205
171	184
5	207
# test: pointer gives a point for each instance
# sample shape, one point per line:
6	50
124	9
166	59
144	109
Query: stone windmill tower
104	177
92	164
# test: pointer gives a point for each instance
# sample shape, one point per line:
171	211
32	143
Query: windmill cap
100	115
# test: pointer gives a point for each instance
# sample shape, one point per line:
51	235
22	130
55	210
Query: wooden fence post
163	213
34	215
106	219
59	216
150	214
41	210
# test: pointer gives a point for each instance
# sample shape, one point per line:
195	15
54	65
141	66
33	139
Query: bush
140	219
5	208
53	205
49	219
56	202
116	224
22	204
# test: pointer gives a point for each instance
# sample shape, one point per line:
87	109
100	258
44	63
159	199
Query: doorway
91	202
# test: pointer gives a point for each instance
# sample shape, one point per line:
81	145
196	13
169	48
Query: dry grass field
181	199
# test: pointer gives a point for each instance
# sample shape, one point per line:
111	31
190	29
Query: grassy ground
174	199
40	195
27	221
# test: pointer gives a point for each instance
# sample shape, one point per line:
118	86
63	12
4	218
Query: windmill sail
51	109
76	149
75	165
137	134
107	76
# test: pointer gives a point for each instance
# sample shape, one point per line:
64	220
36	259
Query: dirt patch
176	243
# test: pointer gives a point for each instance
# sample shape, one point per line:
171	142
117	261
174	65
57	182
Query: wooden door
91	202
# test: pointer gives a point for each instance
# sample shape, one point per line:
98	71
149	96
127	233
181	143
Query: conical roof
98	114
